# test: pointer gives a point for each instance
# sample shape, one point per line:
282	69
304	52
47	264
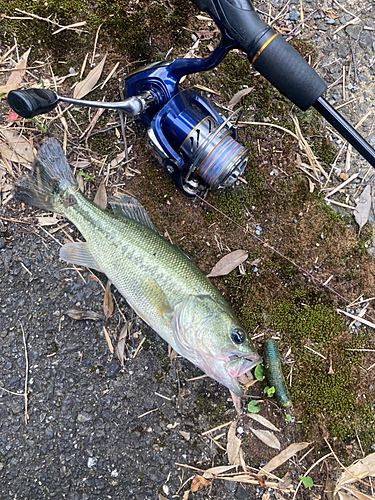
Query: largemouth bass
163	286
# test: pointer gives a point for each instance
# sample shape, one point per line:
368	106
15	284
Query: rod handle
32	102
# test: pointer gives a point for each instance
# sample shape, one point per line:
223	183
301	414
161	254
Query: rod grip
288	71
267	51
32	102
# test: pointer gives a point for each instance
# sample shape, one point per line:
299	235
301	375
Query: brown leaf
186	495
18	149
361	468
161	497
359	494
233	444
90	81
108	302
101	197
120	348
214	471
238	96
362	210
198	483
282	457
80	183
79	315
228	263
267	437
16	76
108	339
263	421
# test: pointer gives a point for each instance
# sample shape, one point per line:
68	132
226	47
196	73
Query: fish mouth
239	365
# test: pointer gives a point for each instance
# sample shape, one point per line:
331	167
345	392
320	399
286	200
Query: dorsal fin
130	208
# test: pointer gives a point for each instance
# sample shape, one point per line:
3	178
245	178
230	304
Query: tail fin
51	174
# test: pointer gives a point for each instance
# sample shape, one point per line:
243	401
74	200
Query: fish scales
157	279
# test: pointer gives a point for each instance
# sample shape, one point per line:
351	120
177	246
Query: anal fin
78	253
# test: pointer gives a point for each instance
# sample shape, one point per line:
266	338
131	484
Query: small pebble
240	430
91	462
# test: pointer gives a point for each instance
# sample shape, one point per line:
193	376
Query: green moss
304	316
307	319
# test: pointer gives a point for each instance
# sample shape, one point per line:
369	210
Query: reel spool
196	147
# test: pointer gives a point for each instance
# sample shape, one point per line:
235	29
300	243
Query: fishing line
267	245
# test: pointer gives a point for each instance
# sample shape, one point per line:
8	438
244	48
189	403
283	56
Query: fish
163	286
274	373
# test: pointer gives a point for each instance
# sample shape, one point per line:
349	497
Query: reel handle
32	102
267	51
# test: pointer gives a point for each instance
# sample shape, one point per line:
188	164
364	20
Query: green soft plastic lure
274	373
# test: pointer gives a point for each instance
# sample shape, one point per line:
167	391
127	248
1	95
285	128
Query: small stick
342	185
147	412
357	318
26	372
216	428
96	41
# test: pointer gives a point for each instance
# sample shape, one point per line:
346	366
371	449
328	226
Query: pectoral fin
78	253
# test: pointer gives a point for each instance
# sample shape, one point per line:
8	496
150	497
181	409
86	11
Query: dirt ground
100	430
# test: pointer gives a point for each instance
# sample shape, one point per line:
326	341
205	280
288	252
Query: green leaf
253	407
288	417
270	391
306	481
258	372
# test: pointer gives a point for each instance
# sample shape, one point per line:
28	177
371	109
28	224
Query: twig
47	20
122	122
357	318
26	372
95	42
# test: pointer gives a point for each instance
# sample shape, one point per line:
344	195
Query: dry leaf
16	76
282	457
228	263
18	149
47	221
198	483
238	96
344	495
233	444
108	339
108	302
185	435
120	348
161	497
361	468
267	437
90	81
237	402
76	314
358	494
186	495
263	421
80	183
214	471
101	197
362	210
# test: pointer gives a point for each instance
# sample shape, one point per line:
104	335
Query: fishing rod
196	146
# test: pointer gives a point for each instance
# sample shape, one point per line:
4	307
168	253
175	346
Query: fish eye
238	336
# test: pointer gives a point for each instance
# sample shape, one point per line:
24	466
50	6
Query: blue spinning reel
196	146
